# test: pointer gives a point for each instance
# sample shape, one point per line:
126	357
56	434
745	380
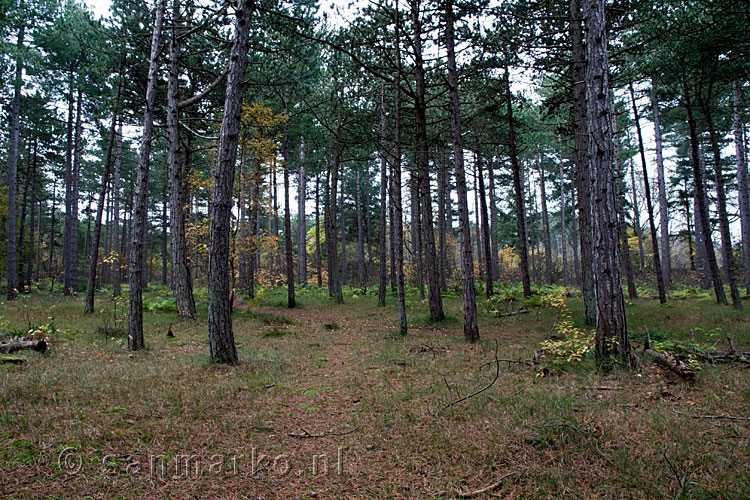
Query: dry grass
373	401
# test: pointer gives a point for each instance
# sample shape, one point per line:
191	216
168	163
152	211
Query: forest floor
327	402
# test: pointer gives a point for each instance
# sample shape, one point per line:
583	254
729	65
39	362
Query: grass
167	423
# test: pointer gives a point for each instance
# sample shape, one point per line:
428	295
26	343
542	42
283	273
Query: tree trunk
24	208
318	263
360	231
382	249
220	335
15	125
176	170
582	168
164	222
140	207
627	264
441	187
743	196
68	267
637	220
397	211
344	264
721	205
103	187
332	179
471	329
518	190
434	299
494	267
545	223
611	325
702	207
666	258
485	229
290	300
301	217
416	232
649	206
478	224
117	260
52	234
32	223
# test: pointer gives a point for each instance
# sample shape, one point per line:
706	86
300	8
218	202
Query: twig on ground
476	493
469	396
306	434
712	417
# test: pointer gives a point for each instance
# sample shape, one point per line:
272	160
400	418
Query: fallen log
721	356
18	345
513	313
673	363
7	360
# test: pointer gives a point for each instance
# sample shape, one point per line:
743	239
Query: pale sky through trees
101	9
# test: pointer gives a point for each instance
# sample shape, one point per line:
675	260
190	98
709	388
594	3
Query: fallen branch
11	361
518	361
673	363
469	396
17	345
513	313
713	417
306	434
476	493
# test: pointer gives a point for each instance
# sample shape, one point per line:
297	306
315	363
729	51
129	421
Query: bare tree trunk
344	264
416	232
582	168
478	223
220	335
575	239
301	217
485	229
721	205
117	261
164	222
649	206
290	300
702	204
611	325
471	329
102	199
637	220
435	300
742	182
397	209
140	208
563	226
176	170
68	232
494	267
32	223
666	258
627	264
332	179
15	125
382	249
545	222
701	261
360	232
518	189
441	187
24	208
318	263
52	234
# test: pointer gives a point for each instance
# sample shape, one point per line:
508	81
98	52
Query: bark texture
220	335
611	325
136	264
